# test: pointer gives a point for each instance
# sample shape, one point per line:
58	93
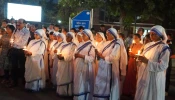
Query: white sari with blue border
34	66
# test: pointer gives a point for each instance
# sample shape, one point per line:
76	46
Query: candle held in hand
25	48
139	52
11	41
96	43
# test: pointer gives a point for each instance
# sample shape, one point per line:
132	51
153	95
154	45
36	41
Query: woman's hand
99	54
142	59
55	51
60	57
77	55
28	53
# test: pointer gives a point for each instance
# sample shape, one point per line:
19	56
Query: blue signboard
82	19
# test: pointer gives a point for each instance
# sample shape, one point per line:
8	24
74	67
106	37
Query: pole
69	23
92	12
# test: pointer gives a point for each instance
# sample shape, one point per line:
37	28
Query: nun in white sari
110	68
99	45
51	54
34	66
61	40
152	66
65	66
84	68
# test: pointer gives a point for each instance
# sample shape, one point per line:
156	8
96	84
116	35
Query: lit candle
11	41
130	50
59	53
25	48
139	52
96	43
53	48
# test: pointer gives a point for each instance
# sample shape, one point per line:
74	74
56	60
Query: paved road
49	94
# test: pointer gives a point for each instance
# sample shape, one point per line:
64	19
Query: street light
59	21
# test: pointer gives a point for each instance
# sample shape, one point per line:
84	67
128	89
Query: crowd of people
85	65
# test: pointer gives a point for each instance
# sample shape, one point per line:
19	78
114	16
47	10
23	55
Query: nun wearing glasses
111	68
152	65
84	68
34	66
65	66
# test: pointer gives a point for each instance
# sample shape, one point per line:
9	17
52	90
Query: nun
51	54
34	66
152	66
64	74
111	69
99	44
84	68
61	40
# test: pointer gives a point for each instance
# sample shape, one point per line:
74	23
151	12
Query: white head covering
79	33
73	36
89	34
102	35
123	53
56	33
40	32
62	36
113	31
160	31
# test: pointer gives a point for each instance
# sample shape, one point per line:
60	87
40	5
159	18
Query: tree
70	8
126	11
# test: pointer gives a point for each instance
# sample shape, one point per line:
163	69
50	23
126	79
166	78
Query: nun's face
80	39
98	37
69	38
36	36
85	37
109	36
55	37
51	37
59	39
154	37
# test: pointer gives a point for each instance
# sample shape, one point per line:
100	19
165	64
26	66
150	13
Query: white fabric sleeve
70	55
162	65
115	54
90	58
40	51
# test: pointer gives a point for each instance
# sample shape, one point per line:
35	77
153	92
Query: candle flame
139	52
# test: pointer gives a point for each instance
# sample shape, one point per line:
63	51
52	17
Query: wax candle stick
25	48
96	43
11	41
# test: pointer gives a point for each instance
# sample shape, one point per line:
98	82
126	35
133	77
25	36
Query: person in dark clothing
18	58
168	72
103	30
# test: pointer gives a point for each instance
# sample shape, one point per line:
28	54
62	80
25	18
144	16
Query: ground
49	94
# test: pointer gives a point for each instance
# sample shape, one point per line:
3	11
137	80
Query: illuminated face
80	39
136	38
59	39
69	38
154	36
20	24
109	36
98	37
85	37
37	36
8	30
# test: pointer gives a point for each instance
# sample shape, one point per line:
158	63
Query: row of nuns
89	69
